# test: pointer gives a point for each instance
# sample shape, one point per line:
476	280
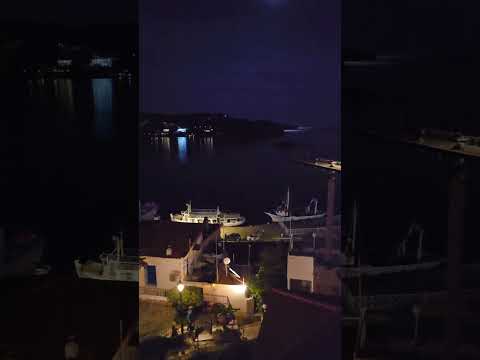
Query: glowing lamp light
240	289
180	287
181	130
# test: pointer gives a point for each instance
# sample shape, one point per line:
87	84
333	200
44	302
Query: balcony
152	292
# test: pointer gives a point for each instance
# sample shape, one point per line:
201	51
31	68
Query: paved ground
155	322
155	318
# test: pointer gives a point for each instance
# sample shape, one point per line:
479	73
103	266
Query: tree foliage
272	273
190	296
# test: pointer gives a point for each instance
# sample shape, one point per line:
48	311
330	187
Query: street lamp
180	287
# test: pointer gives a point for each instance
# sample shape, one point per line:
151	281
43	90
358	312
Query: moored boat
283	213
114	266
212	216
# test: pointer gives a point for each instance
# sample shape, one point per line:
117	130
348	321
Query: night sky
72	12
275	60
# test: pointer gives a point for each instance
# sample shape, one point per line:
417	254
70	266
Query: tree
272	273
190	296
223	314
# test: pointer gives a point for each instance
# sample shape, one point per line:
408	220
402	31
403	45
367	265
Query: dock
438	141
267	233
324	164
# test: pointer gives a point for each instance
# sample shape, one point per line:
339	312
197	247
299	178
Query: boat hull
110	272
280	219
176	218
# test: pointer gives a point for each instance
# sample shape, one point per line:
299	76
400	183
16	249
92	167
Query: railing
152	291
395	300
216	299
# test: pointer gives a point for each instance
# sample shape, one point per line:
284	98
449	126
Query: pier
455	151
333	169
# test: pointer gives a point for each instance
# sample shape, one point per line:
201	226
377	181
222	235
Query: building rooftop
295	327
229	278
157	236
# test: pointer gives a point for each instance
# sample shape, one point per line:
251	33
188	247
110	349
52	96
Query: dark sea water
249	177
396	184
70	166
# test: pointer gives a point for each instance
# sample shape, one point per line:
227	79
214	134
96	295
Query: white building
170	252
311	267
308	273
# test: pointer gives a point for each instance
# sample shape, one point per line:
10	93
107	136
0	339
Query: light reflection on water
165	141
206	144
182	148
63	91
187	146
102	99
79	103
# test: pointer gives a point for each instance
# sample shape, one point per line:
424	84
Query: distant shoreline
211	124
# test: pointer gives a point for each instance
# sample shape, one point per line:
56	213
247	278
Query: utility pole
216	257
456	212
330	211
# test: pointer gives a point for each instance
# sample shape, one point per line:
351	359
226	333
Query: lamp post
416	314
180	288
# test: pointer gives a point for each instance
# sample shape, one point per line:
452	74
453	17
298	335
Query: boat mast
354	231
121	244
288	202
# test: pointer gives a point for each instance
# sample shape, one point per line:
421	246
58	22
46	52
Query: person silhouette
71	348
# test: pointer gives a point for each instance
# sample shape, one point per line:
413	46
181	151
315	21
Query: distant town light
182	130
101	61
64	62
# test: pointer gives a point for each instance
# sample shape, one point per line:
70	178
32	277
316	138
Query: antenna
288	201
226	261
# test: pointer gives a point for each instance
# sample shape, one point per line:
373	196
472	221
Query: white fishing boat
213	216
114	266
284	213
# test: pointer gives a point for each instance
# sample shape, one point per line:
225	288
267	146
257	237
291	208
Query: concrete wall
218	293
300	268
164	267
326	281
269	231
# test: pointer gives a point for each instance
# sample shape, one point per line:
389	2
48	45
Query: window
174	276
151	275
300	285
